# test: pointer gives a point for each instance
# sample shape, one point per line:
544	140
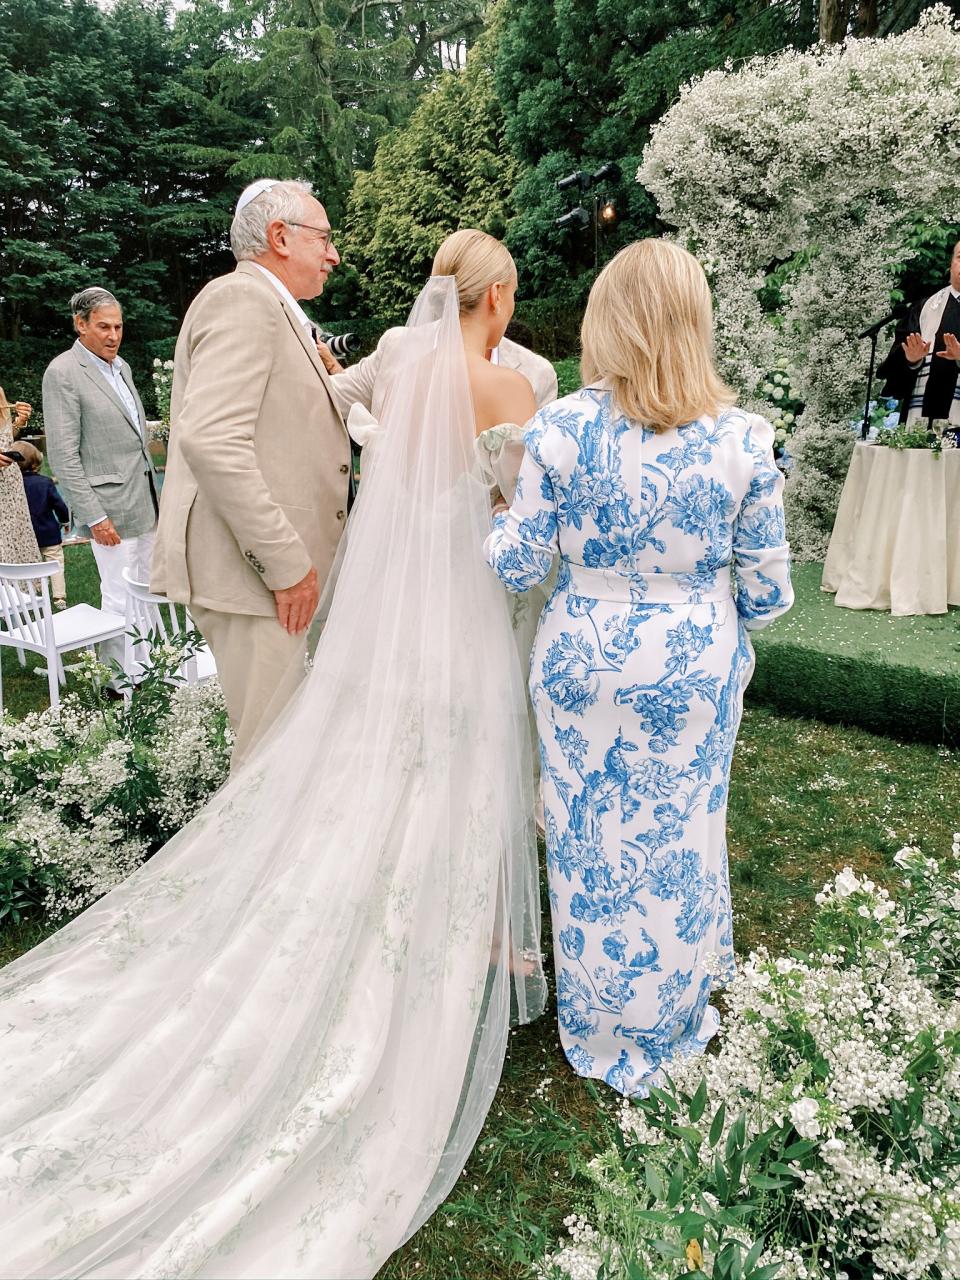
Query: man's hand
105	534
915	348
330	361
951	348
6	462
296	605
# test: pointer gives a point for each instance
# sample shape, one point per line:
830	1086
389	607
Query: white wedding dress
270	1051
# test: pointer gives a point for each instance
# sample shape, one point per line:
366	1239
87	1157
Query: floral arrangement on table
794	170
784	408
885	428
87	795
162	388
822	1142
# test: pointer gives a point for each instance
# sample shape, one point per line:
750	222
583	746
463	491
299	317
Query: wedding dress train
270	1051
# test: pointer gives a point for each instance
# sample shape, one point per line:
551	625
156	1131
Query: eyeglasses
325	238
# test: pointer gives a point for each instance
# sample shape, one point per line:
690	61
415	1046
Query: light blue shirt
111	371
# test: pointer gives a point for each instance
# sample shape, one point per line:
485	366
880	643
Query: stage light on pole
579	179
576	219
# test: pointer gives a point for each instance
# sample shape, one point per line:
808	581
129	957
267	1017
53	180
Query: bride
270	1051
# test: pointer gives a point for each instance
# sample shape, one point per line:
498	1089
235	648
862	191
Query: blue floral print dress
672	546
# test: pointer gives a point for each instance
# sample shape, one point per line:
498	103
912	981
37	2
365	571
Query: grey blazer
101	461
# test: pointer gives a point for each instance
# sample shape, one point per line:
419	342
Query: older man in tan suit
259	473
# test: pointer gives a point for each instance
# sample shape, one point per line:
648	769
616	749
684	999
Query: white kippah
255	189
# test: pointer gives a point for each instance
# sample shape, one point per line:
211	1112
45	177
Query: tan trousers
58	583
259	665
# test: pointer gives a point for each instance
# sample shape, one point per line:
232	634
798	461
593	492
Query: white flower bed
85	797
822	1140
821	166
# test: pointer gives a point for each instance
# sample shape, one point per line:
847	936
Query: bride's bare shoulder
499	394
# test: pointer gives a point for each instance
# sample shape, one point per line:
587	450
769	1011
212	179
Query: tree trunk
834	18
867	18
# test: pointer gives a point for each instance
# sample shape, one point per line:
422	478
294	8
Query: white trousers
134	554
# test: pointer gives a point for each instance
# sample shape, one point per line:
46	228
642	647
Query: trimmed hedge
894	676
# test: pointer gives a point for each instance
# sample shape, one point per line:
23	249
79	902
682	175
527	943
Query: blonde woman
18	543
664	505
285	1029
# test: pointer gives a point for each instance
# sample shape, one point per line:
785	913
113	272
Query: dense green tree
336	74
583	82
447	169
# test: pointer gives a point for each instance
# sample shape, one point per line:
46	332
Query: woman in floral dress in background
664	504
18	543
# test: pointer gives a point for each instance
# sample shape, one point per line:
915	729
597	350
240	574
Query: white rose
168	364
789	417
805	1114
777	393
156	362
846	883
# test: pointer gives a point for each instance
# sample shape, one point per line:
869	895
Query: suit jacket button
341	515
344	469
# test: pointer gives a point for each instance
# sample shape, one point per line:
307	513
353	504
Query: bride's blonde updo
477	261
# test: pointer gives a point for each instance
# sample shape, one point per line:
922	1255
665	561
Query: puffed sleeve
521	548
761	553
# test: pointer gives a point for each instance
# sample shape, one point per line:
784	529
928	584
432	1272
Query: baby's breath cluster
822	1140
87	794
794	180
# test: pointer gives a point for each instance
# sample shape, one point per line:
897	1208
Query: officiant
921	368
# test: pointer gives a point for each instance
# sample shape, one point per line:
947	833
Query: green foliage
582	82
896	676
568	376
445	170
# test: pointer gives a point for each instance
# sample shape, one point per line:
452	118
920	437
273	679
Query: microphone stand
873	333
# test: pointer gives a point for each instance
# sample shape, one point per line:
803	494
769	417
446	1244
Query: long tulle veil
270	1051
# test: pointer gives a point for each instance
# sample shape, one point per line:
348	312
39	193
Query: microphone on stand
900	309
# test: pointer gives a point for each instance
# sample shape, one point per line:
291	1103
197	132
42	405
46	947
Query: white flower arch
826	163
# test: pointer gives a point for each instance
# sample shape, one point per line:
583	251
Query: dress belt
649	588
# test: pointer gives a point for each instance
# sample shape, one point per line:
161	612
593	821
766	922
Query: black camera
340	344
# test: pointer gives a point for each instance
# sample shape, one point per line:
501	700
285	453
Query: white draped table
896	539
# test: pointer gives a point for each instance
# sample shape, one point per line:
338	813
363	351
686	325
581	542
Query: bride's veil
270	1051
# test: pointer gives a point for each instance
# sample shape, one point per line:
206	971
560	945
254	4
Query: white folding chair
145	615
27	621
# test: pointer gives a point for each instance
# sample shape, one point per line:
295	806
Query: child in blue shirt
48	512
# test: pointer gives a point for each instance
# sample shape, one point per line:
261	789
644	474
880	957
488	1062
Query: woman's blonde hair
477	261
648	332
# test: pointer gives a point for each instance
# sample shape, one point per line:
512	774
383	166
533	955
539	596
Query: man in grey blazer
97	442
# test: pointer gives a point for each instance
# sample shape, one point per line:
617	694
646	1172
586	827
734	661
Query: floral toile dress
18	542
672	546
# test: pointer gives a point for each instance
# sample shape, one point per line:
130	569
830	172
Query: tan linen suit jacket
537	370
258	468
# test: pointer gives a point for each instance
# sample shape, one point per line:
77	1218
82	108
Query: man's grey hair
282	202
84	303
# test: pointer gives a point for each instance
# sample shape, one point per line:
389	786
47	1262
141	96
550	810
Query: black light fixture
576	218
609	172
605	214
